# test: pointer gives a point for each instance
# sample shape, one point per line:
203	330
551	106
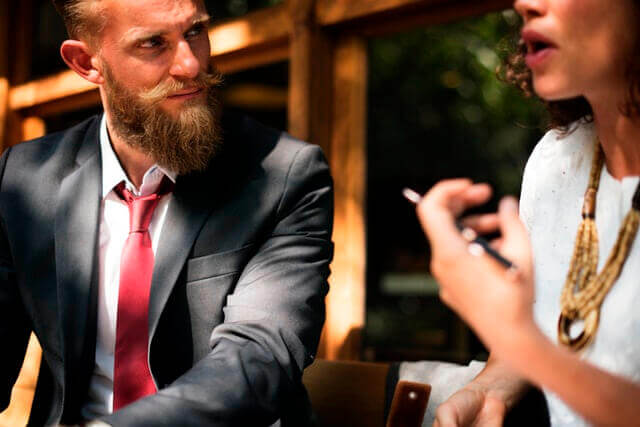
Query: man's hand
485	401
469	407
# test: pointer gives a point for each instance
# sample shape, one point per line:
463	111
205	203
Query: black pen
477	245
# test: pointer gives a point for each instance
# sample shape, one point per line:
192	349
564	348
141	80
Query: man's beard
182	144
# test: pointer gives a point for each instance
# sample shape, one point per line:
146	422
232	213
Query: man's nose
185	64
530	9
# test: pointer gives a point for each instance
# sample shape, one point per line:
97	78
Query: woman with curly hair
574	328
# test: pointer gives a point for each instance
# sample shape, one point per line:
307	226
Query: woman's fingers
483	223
475	195
496	243
445	202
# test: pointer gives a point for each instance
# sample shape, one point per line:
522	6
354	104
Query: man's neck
134	162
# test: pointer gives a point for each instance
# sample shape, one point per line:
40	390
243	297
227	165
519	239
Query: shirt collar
113	174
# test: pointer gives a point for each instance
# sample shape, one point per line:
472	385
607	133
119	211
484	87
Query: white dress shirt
114	229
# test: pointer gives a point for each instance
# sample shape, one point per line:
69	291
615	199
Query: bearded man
172	262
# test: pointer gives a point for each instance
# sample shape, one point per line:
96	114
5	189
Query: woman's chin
552	91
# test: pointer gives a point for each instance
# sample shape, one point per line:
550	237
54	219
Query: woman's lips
539	48
537	58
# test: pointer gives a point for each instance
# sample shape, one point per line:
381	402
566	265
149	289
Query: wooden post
19	409
32	127
327	104
17	413
346	301
318	86
309	76
15	34
4	70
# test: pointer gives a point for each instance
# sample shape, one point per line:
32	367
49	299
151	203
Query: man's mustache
169	87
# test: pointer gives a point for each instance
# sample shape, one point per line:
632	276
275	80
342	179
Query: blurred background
397	92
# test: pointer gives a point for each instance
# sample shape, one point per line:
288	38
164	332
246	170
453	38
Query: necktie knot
141	208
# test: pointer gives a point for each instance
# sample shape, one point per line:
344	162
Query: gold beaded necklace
585	289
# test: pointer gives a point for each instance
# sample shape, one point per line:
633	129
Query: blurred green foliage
436	110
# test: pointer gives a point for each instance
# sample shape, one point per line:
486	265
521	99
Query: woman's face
578	47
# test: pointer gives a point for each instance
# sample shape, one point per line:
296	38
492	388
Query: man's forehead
140	15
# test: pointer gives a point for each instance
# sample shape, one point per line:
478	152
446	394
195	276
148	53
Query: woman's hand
495	301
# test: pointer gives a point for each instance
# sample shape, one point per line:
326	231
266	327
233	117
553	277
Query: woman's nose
530	9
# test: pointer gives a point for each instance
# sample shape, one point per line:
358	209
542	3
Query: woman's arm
599	396
497	304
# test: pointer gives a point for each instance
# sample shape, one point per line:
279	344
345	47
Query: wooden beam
451	11
332	12
346	301
264	27
64	105
395	12
251	58
49	89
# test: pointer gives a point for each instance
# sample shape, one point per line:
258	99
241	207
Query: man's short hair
81	17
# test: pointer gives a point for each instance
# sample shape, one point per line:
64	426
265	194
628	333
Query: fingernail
509	205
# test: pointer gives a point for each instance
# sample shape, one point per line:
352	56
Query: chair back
345	393
356	394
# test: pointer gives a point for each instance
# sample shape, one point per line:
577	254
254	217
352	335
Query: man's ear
78	57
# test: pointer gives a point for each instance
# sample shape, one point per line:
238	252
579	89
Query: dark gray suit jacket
237	298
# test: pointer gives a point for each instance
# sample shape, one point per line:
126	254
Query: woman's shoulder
558	167
564	150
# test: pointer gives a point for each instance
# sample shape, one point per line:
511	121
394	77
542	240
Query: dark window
260	92
220	9
64	121
48	34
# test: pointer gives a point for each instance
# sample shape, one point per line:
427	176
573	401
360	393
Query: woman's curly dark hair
562	113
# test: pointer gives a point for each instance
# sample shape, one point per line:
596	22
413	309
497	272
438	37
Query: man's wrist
500	381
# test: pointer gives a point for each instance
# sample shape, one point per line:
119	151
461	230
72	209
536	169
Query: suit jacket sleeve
14	326
272	320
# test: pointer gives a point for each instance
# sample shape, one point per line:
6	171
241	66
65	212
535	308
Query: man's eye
195	31
151	43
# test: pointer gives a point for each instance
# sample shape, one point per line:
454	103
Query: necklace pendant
589	328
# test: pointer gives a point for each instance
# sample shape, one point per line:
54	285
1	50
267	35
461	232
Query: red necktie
131	375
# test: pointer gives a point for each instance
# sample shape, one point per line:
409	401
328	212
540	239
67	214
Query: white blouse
554	183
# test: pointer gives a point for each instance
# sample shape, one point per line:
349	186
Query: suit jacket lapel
194	199
187	213
76	246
